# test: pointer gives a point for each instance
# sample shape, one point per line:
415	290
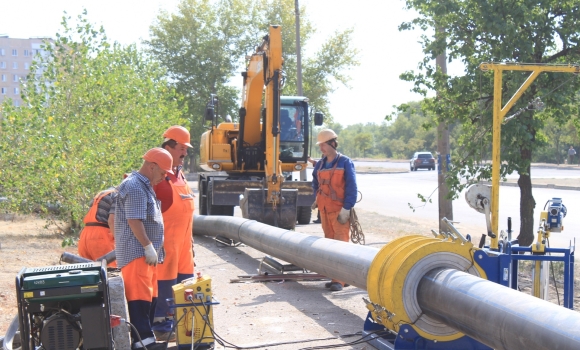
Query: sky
375	87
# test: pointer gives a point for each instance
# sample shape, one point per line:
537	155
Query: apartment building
16	56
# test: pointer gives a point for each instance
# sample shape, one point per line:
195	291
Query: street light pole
298	66
298	54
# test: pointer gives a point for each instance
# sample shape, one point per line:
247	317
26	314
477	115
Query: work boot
335	286
317	221
163	330
156	346
152	346
168	337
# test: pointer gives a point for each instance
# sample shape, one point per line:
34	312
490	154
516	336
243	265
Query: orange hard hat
326	135
179	134
161	157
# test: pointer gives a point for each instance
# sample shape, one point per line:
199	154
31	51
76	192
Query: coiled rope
356	232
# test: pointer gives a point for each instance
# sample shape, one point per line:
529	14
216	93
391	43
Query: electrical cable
137	333
554	275
221	341
173	330
354	342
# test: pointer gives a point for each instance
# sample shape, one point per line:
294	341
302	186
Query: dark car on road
423	160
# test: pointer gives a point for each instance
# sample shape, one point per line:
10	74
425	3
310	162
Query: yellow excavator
251	163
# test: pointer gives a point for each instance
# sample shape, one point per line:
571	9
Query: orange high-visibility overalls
178	222
330	197
96	238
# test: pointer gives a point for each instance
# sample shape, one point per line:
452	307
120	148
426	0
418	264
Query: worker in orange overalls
97	237
334	182
139	243
177	205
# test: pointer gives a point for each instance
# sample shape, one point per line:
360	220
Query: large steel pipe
343	261
488	312
500	317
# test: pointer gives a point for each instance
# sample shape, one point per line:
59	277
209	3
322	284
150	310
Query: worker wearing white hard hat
334	182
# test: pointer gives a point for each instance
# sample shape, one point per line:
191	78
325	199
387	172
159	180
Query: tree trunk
558	151
527	205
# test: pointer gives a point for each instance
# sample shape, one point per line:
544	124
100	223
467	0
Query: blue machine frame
501	267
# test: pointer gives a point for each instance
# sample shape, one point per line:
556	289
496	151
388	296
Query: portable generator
64	307
192	305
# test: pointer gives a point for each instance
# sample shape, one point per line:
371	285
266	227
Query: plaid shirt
136	200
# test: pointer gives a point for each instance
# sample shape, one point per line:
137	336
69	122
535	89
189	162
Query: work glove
314	205
343	216
150	255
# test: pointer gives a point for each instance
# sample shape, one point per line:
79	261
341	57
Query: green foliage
411	131
477	31
557	139
89	114
204	44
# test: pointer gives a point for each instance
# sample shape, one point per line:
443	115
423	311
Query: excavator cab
294	129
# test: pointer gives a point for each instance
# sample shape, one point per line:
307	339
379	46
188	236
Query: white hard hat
326	135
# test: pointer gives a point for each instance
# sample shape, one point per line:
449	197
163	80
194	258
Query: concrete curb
556	187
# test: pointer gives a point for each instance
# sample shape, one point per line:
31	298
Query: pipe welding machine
192	311
398	268
64	307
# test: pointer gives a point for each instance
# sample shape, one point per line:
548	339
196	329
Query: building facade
16	56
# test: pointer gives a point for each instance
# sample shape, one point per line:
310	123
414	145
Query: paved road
391	194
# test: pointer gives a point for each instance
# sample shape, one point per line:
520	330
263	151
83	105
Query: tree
479	31
87	118
203	46
364	141
557	138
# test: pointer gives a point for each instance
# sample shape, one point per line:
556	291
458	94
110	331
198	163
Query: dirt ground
249	314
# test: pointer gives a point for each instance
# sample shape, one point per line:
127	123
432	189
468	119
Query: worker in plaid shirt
139	242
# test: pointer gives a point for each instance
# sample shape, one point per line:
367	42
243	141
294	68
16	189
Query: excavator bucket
254	207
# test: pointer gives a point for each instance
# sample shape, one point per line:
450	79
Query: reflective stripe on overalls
178	264
96	238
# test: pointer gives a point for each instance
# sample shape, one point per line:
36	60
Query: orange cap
179	134
161	157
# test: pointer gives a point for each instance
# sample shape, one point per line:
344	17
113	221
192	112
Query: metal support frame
502	267
500	112
408	339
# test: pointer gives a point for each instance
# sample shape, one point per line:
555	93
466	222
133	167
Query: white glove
314	205
343	216
150	255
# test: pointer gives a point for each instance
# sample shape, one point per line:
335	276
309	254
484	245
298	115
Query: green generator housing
64	307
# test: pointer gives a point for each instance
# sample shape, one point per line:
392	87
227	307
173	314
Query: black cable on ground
137	333
354	342
221	341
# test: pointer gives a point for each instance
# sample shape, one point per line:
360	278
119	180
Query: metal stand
277	267
224	241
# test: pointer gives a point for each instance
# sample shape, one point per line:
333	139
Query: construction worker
177	205
97	237
139	242
334	182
